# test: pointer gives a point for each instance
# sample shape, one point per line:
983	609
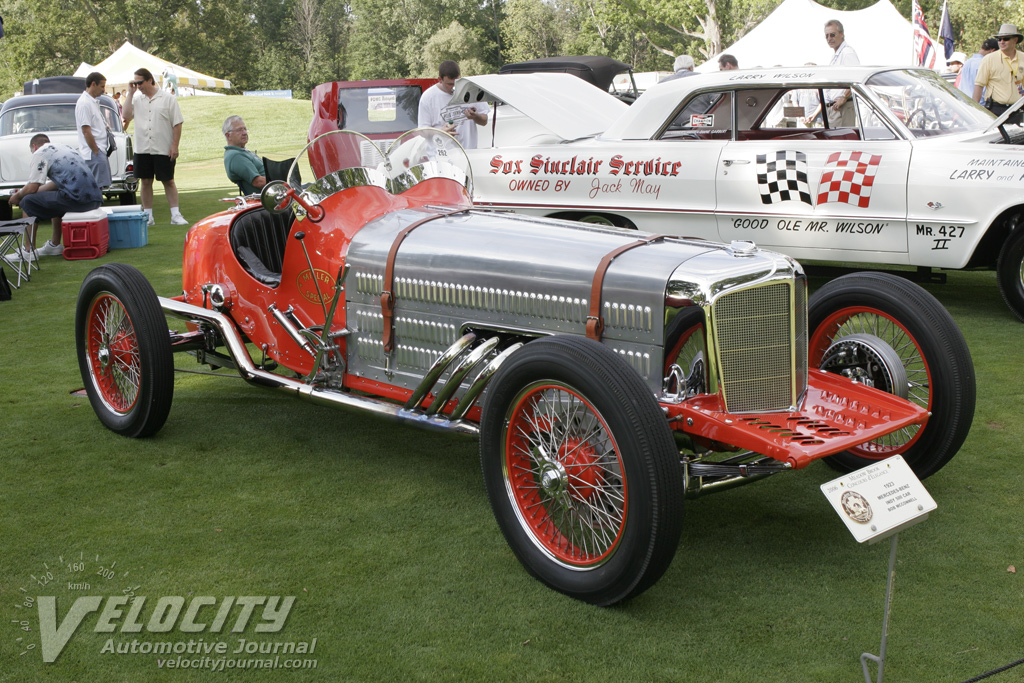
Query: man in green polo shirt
244	168
1001	72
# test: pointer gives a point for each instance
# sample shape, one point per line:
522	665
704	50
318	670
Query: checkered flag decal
783	178
848	177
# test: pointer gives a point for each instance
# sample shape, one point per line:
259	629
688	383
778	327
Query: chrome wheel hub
869	360
103	355
553	478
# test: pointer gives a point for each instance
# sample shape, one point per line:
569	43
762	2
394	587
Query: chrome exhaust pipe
251	373
459	373
438	368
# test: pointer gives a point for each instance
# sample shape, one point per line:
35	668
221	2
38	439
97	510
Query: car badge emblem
935	206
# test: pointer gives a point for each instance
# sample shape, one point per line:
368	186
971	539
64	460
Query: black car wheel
1010	272
906	340
124	350
581	470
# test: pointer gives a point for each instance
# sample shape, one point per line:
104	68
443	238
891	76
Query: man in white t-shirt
92	129
458	119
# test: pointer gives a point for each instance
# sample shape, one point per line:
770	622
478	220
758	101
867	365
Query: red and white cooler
86	235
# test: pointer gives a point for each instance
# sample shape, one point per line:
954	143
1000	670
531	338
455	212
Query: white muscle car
901	169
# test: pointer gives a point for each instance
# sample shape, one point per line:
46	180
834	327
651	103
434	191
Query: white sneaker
21	254
178	219
150	222
50	249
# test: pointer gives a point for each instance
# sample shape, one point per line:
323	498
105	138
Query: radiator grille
800	334
755	347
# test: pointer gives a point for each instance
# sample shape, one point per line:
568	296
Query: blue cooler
128	229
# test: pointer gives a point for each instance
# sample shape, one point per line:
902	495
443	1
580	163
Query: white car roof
654	107
566	105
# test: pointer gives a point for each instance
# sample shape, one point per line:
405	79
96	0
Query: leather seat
258	239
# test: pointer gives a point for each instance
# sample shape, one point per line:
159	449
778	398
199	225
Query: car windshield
38	119
341	159
927	104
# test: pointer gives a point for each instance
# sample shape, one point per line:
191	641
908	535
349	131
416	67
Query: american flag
848	177
924	48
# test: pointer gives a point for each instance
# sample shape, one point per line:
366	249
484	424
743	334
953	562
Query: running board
251	373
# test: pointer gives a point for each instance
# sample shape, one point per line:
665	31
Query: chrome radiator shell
756	326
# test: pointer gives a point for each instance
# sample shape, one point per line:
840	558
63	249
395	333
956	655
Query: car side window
705	116
795	109
111	118
7	123
872	125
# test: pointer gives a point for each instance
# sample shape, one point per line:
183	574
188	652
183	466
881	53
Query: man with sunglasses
1001	72
244	168
158	123
839	101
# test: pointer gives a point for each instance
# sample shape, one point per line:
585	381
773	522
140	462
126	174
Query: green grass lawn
384	536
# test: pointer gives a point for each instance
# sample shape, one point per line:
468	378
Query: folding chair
12	239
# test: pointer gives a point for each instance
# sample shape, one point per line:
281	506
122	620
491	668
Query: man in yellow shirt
1002	72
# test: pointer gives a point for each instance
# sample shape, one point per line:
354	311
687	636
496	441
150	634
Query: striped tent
119	68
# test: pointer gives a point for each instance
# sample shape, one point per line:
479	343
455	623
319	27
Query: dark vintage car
608	373
597	70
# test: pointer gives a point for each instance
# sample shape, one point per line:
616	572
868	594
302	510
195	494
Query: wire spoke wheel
113	353
564	476
684	340
124	350
888	322
581	469
857	321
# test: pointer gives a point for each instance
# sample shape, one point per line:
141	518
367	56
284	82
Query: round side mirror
275	196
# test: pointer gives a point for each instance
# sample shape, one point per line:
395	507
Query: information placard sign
879	500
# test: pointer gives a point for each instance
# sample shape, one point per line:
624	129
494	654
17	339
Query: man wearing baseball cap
1001	74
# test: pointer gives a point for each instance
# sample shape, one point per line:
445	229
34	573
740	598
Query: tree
531	29
389	36
456	42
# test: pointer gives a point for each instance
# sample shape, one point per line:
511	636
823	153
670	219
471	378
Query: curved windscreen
926	104
342	159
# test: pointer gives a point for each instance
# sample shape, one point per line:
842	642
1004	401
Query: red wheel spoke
865	320
113	353
564	475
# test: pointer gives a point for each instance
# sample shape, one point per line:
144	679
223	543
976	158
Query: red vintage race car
608	373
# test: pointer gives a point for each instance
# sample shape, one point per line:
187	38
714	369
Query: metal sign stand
878	502
880	658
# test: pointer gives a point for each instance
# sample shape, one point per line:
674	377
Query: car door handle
730	162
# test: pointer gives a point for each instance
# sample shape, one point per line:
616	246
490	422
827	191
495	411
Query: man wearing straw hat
1002	72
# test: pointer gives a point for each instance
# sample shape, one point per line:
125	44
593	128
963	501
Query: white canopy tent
119	69
793	35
